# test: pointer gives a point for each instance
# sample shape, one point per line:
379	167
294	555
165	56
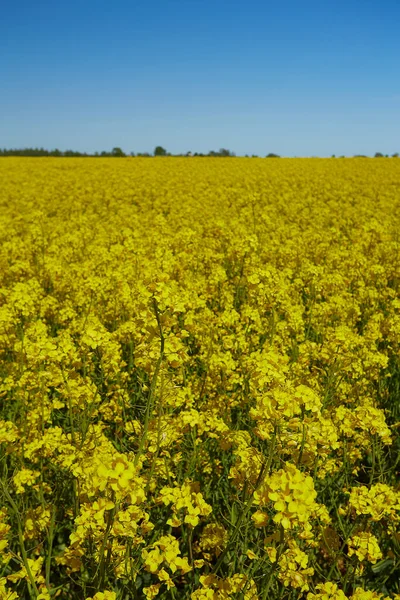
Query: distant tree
333	156
395	155
117	152
133	154
39	152
378	155
160	151
222	152
272	155
225	152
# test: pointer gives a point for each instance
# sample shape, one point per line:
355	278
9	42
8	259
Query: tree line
117	152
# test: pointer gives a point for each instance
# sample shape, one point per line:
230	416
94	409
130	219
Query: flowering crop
199	379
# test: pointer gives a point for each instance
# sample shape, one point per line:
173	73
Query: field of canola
199	379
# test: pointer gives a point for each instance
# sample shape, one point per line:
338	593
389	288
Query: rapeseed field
199	379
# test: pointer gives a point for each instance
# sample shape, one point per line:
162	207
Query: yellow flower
151	591
164	577
214	537
327	591
365	546
24	478
260	518
106	595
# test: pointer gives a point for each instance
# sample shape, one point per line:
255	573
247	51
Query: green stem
50	549
242	515
21	539
153	384
275	565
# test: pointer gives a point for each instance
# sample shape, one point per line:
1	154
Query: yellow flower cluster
379	502
292	495
185	497
166	549
293	569
199	378
365	546
215	588
331	591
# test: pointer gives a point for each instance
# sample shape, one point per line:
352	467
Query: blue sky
303	78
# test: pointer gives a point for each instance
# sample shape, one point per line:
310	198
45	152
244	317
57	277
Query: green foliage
160	151
117	152
222	152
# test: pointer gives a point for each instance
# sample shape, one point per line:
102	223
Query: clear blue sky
296	77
